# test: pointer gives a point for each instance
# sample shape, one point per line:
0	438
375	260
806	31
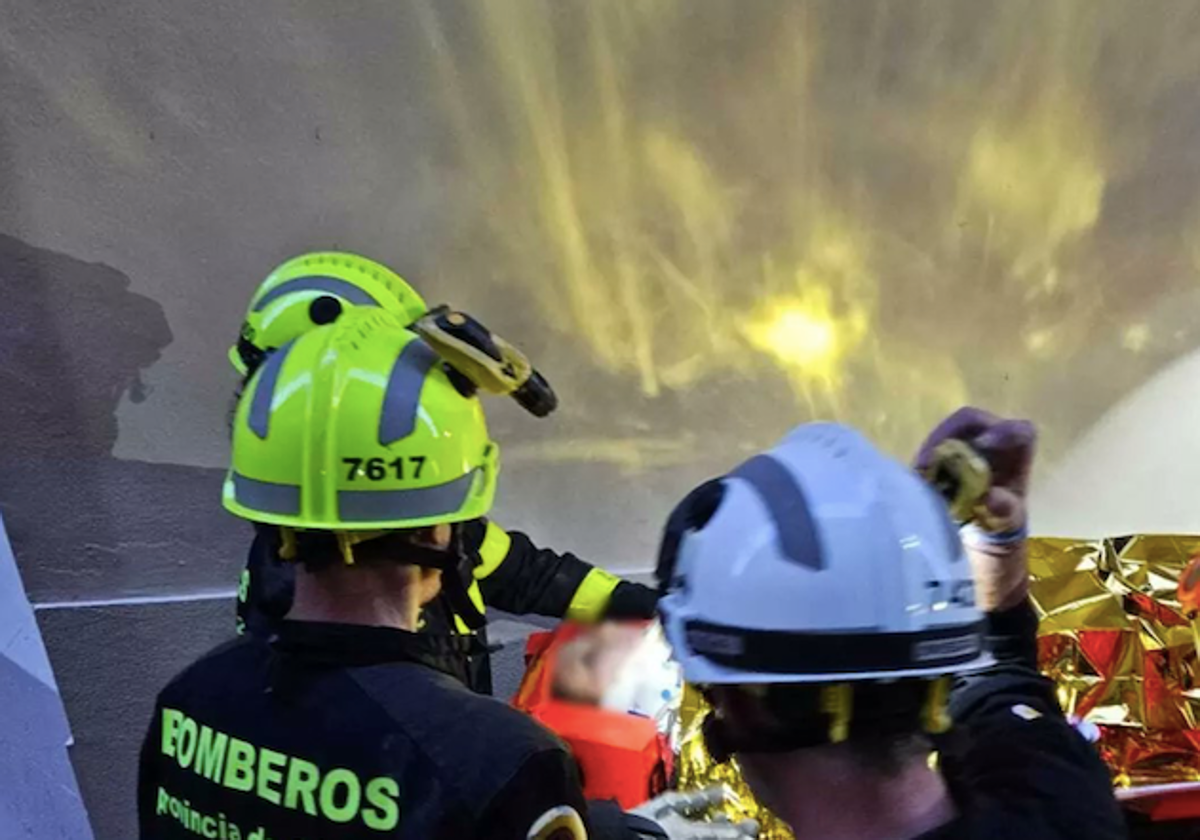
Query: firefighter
365	461
513	575
823	600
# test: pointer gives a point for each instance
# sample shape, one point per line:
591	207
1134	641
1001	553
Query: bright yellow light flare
804	337
796	337
893	207
1135	338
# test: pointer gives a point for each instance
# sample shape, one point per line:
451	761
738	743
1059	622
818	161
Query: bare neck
832	798
377	597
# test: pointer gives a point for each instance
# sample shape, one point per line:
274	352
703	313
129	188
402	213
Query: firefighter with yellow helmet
354	447
511	574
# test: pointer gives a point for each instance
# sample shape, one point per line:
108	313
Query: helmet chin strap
457	562
832	719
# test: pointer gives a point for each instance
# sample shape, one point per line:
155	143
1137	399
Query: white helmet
820	561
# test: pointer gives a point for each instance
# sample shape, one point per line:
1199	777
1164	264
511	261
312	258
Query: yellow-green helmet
312	290
356	426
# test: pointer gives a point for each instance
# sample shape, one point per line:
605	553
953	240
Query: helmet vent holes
324	310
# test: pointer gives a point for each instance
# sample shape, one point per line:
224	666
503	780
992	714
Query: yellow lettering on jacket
336	794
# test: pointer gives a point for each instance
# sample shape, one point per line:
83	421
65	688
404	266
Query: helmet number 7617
376	469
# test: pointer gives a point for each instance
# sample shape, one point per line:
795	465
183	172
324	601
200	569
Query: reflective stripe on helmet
330	285
783	497
266	496
259	418
403	394
413	503
358	505
782	652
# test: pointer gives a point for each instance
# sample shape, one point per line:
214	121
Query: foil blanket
1122	653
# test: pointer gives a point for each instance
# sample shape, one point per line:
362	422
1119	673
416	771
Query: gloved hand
996	543
632	601
677	816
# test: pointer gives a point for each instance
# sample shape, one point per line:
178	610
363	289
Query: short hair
884	725
889	756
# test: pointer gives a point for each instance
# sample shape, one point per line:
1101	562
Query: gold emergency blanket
697	770
1113	639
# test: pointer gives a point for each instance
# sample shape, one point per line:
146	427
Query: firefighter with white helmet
822	598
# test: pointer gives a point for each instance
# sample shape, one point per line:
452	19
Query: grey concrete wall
90	530
951	201
110	662
155	161
40	797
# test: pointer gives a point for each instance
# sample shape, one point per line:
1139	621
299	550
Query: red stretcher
620	756
1163	803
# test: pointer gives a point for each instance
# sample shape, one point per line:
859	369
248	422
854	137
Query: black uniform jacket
337	731
513	575
1017	770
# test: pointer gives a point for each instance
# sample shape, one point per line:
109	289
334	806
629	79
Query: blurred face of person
589	664
625	668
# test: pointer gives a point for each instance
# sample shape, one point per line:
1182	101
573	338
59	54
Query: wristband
974	535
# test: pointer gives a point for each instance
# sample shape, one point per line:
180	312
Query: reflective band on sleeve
329	285
493	550
403	396
417	503
560	823
477	599
259	419
783	497
266	496
592	596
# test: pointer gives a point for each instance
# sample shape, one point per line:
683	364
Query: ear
436	537
441	535
429	583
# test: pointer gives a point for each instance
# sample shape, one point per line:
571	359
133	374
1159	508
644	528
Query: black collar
325	644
